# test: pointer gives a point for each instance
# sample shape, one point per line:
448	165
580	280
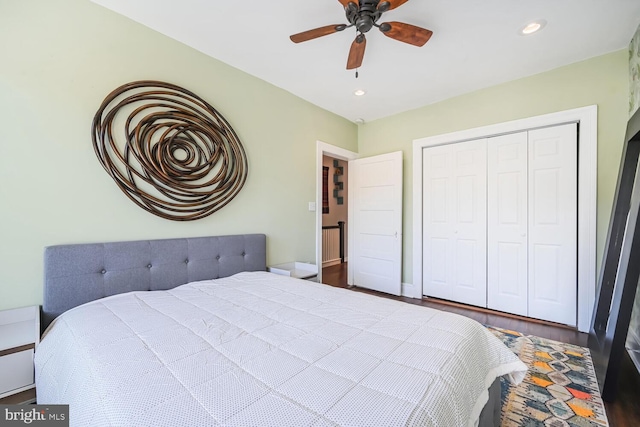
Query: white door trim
324	149
587	117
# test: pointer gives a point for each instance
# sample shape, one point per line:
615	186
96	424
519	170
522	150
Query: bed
195	332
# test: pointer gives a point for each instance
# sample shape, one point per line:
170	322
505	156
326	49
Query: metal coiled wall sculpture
178	159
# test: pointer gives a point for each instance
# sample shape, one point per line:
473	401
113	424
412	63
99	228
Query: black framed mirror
620	270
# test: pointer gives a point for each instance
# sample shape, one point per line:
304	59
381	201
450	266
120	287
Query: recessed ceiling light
532	27
359	92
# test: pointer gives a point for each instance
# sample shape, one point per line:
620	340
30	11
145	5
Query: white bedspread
257	349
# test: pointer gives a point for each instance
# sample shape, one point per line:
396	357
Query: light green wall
58	60
602	80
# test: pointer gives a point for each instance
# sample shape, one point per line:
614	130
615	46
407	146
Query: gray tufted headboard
76	274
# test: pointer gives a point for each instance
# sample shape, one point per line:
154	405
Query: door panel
545	269
376	206
553	185
465	200
468	265
437	211
454	215
546	185
377	223
438	266
439	200
465	251
507	223
510	272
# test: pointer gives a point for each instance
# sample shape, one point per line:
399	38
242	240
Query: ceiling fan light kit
364	15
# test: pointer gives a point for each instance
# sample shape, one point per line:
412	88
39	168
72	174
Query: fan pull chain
356	73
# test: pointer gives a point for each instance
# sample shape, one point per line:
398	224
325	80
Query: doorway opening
334	219
374	226
332	197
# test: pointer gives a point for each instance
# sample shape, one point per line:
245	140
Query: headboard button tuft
103	271
149	266
186	261
218	257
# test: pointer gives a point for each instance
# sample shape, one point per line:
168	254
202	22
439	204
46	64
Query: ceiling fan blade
316	32
392	4
356	53
407	33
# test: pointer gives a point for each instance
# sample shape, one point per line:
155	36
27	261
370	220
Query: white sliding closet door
454	215
437	219
507	223
553	216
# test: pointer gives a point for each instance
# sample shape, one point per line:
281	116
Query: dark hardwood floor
623	412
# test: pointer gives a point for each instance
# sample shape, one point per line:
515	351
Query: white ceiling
475	45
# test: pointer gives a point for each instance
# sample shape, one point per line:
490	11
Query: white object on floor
299	270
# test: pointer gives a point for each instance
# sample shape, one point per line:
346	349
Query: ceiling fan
364	15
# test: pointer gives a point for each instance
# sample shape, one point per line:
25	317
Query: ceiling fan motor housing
365	15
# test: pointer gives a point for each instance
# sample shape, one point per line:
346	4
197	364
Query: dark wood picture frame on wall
620	270
325	189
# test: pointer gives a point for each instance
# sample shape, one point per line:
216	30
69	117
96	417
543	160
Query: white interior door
507	253
553	216
454	210
375	189
438	221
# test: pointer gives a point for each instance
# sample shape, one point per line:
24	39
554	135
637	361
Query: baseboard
330	262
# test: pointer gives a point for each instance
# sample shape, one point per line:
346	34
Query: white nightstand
19	337
300	270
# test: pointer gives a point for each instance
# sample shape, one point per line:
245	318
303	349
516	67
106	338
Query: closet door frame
586	117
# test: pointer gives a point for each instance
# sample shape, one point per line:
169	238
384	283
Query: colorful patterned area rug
560	389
